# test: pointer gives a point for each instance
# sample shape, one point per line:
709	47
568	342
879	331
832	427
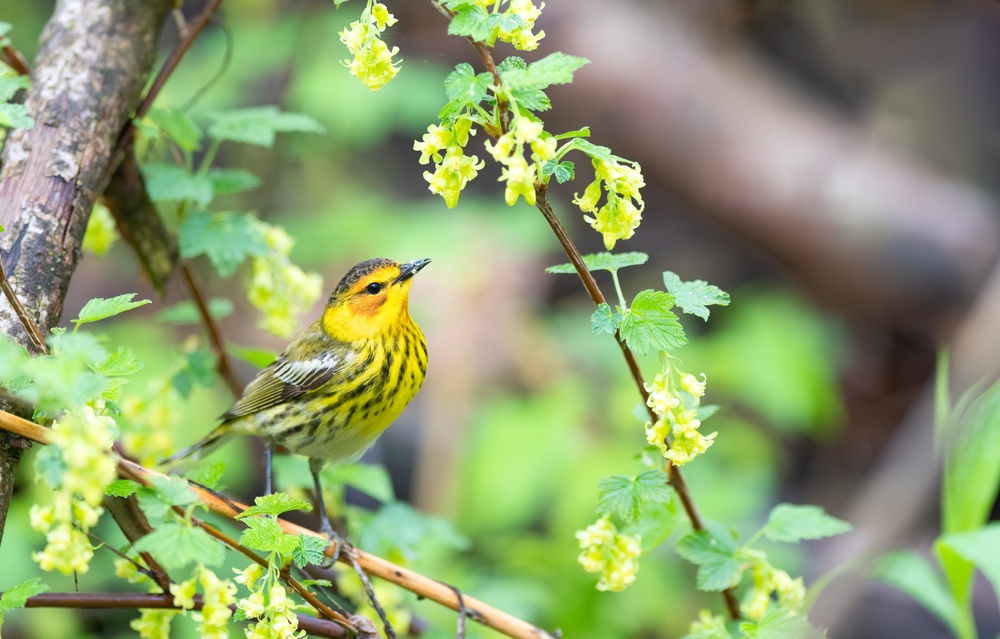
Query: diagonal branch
214	331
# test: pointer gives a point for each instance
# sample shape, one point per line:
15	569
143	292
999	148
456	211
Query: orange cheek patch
367	306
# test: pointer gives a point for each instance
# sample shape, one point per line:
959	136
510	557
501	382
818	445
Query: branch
112	600
214	332
16	60
676	477
133	524
22	315
422	586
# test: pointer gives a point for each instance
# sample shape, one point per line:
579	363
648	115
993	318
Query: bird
340	383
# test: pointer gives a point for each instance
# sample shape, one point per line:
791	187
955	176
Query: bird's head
371	299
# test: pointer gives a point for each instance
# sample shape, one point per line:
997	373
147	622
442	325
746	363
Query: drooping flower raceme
85	441
268	603
453	170
373	63
619	217
518	173
610	553
281	290
676	416
768	580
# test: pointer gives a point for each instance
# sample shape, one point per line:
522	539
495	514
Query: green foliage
464	86
595	151
258	125
122	488
781	624
911	573
199	368
791	523
656	522
981	547
227	238
604	321
176	545
17	595
398	527
713	550
274	504
165	493
649	324
264	534
372	479
629	497
555	68
232	181
563	171
50	465
603	262
121	362
99	308
180	126
472	21
694	297
208	476
187	313
309	551
14	116
259	357
170	183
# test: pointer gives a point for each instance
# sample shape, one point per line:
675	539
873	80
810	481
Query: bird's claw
332	537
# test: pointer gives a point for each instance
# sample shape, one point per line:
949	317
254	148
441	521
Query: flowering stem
618	288
214	332
206	161
676	478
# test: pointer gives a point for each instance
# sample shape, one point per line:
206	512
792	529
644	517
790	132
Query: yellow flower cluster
521	37
676	417
148	438
269	604
709	625
101	231
216	597
619	217
388	595
85	441
153	623
455	169
609	553
372	63
768	580
279	289
519	174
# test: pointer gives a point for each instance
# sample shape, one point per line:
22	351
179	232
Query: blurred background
831	165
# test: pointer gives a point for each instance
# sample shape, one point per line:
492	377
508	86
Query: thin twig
138	566
390	633
214	331
676	478
418	584
460	634
125	600
22	314
16	60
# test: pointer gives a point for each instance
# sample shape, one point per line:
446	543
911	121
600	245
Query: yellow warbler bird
341	382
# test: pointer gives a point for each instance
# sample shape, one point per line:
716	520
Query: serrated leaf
232	180
15	116
208	475
259	357
694	297
178	125
227	238
165	493
258	125
172	183
563	171
555	68
649	323
595	151
603	262
911	573
531	98
629	496
790	523
100	308
264	534
16	596
371	479
50	465
714	552
122	488
781	624
604	321
579	133
274	504
175	546
316	582
309	551
506	21
10	85
187	313
397	526
464	86
200	369
115	389
449	112
472	21
654	525
121	362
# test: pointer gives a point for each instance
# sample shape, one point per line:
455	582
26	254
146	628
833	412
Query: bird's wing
284	380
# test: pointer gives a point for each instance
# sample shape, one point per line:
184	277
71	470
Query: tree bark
93	60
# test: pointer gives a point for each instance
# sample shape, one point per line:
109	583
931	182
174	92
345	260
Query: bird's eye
374	288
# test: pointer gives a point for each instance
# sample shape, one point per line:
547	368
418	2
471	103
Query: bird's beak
406	271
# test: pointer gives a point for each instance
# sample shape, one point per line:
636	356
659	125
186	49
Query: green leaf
122	488
579	133
603	262
100	308
397	526
705	411
472	21
593	150
629	496
50	465
16	596
982	548
187	313
232	180
15	116
165	493
464	86
780	624
258	125
175	546
650	323
694	297
121	362
450	111
259	357
115	389
178	125
200	369
563	171
309	551
531	98
208	475
604	321
227	238
714	552
713	631
556	68
972	464
274	504
655	524
264	534
315	582
911	573
9	85
172	183
371	479
790	523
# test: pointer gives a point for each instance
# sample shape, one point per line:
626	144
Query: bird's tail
216	438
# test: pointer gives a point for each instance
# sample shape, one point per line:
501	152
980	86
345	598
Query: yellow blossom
184	593
382	16
610	553
708	622
616	220
247	577
451	176
691	384
153	623
434	141
522	37
591	195
102	232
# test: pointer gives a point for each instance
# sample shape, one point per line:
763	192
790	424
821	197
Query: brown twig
33	333
390	632
16	60
119	600
460	633
139	567
418	584
214	331
676	478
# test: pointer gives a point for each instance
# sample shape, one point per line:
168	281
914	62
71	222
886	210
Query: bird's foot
331	537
